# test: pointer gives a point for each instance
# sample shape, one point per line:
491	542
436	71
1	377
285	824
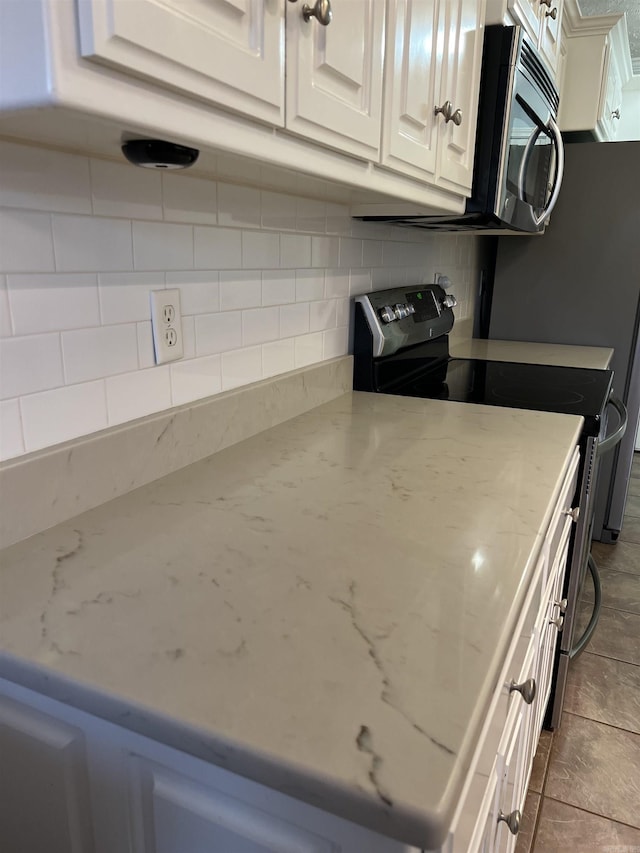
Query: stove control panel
404	316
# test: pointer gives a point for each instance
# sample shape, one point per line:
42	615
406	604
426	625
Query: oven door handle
616	437
580	645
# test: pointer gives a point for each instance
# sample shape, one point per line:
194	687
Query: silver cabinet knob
552	14
527	689
561	605
321	11
546	3
387	314
574	513
558	622
512	820
449	113
616	113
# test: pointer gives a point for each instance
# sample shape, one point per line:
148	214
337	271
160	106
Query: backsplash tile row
265	280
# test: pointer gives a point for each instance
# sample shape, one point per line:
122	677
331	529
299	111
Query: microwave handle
557	138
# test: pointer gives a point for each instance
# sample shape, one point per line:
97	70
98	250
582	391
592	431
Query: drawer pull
558	622
552	14
562	605
527	690
574	513
512	820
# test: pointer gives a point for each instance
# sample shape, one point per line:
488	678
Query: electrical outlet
166	323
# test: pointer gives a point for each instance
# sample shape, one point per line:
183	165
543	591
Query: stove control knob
401	311
411	308
387	314
449	301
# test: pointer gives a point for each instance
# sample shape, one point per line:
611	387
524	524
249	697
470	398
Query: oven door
532	159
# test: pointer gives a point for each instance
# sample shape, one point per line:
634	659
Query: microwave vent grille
532	63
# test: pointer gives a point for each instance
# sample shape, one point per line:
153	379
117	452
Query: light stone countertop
528	352
358	568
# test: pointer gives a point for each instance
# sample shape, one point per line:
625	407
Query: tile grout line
595	814
602	723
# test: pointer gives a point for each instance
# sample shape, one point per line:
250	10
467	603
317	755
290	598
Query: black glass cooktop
545	388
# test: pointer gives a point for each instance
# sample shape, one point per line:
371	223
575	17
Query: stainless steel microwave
519	156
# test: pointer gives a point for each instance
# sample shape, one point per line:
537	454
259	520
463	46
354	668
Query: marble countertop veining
326	604
560	355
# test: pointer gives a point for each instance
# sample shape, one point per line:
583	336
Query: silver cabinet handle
512	820
562	605
558	622
527	689
449	113
546	3
574	513
552	14
321	11
616	113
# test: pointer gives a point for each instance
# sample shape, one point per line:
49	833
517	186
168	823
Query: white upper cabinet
551	32
434	55
334	74
463	29
409	131
540	19
229	52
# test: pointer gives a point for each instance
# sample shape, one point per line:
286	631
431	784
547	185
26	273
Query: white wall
265	280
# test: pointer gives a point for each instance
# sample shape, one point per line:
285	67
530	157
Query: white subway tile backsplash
29	364
60	415
241	367
120	189
199	291
218	332
195	379
238	206
278	287
308	349
133	395
146	357
53	301
260	249
260	325
95	353
335	342
322	315
325	251
350	252
278	211
25	242
75	280
162	246
92	244
294	320
372	253
278	357
6	328
124	297
240	290
310	215
40	179
11	439
336	283
187	199
309	285
217	248
295	250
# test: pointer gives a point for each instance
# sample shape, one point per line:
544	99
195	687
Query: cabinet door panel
464	33
229	52
550	33
44	803
411	86
334	76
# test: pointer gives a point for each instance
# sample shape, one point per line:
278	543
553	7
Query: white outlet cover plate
166	324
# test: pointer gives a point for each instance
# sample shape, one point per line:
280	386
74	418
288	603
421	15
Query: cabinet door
44	802
411	87
229	52
527	13
334	76
462	56
551	32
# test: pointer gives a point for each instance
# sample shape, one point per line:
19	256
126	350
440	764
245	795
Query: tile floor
584	793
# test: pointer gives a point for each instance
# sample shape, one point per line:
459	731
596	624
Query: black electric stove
401	347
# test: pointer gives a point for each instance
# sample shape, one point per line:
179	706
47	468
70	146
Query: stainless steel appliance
401	347
580	284
519	151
